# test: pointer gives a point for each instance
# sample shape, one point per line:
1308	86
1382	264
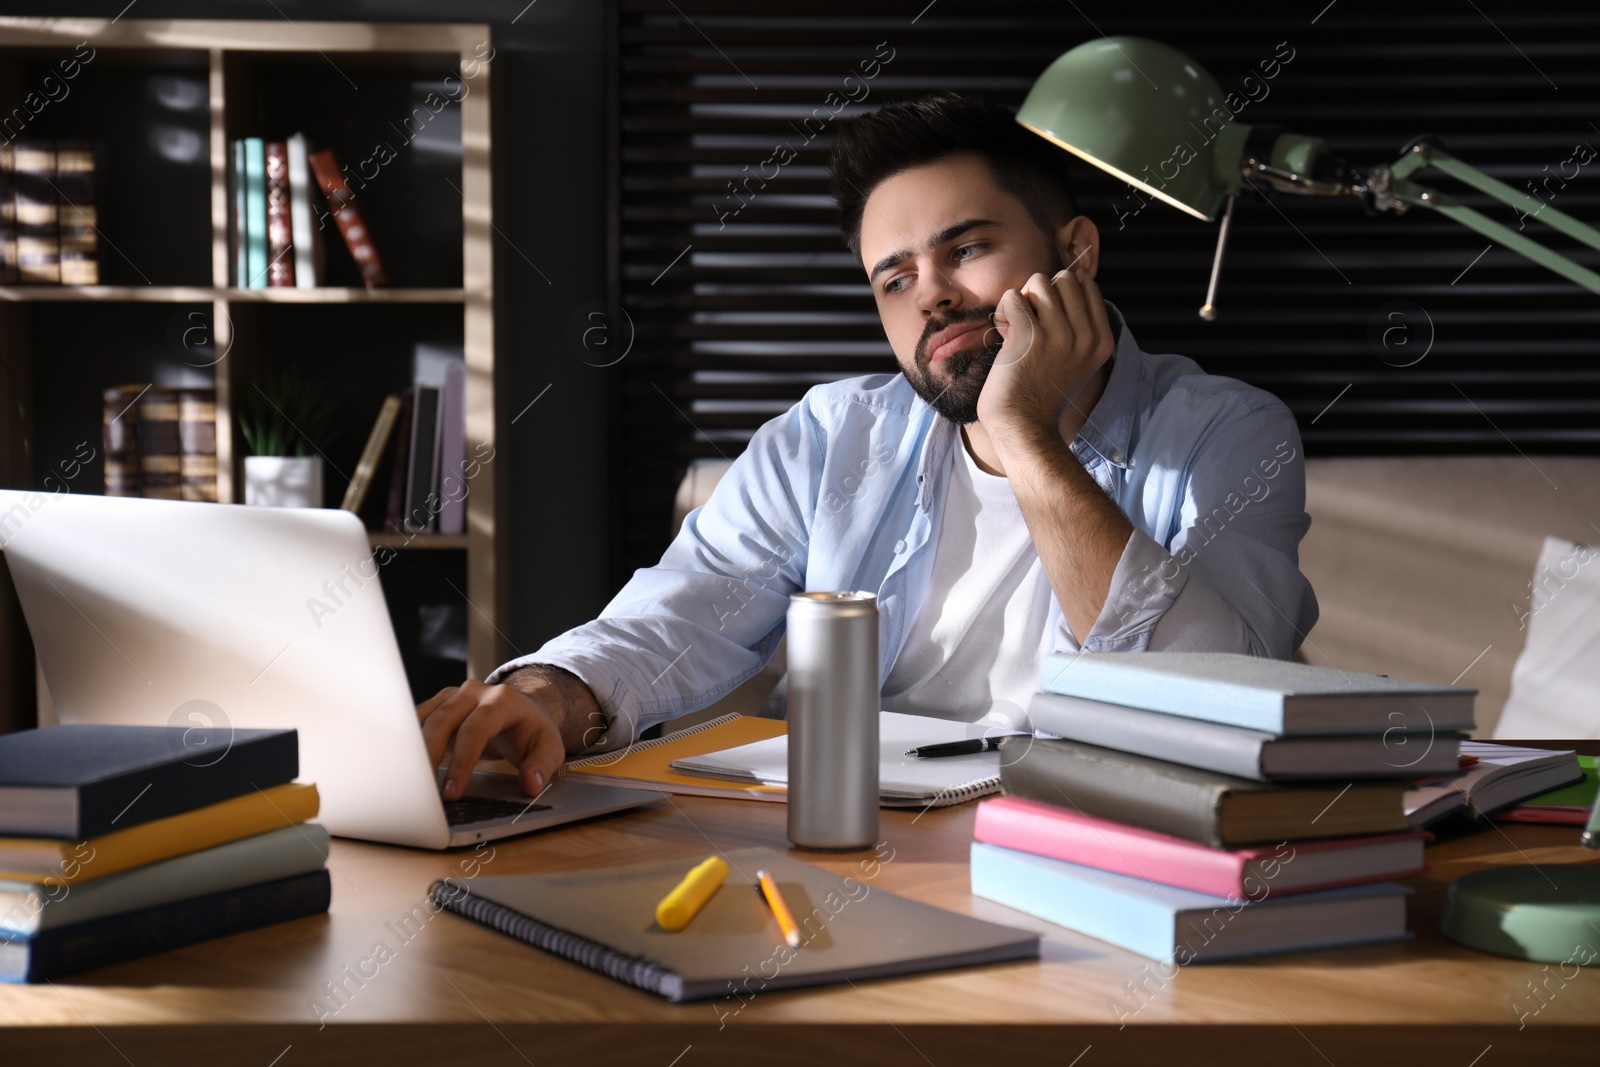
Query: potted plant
285	422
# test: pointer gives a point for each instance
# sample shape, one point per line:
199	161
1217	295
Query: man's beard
968	369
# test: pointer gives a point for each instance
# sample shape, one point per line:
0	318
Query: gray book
850	928
1241	752
1273	696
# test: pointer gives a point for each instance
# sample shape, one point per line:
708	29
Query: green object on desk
1549	914
1577	795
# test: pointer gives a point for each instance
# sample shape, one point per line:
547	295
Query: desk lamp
1148	114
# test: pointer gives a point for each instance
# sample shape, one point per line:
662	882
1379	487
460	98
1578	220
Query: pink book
1252	873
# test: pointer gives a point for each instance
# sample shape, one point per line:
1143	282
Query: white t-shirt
974	649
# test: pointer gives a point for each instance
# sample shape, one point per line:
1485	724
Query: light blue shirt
844	492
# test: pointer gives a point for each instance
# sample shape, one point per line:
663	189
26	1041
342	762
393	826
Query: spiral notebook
903	781
850	929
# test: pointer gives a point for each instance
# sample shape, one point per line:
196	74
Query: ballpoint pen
962	748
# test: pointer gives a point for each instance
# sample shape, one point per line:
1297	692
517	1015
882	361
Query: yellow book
645	763
41	859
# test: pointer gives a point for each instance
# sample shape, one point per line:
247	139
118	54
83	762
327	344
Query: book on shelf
160	445
78	781
1502	776
423	465
239	230
197	443
1273	696
355	493
305	237
1181	926
8	215
1243	752
119	439
1249	872
255	208
399	463
1218	810
280	248
350	219
37	211
452	481
78	222
160	441
847	928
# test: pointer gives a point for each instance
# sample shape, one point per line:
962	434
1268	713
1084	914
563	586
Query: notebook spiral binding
946	797
604	759
457	897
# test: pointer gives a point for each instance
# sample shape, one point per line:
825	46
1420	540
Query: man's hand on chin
1057	337
533	720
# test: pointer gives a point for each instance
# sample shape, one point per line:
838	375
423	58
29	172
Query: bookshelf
164	99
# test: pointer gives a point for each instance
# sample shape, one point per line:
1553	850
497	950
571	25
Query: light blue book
241	248
28	908
1274	696
1179	925
255	211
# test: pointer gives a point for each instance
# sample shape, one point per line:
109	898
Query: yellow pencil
780	910
691	894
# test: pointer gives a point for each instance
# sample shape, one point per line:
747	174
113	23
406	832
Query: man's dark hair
897	137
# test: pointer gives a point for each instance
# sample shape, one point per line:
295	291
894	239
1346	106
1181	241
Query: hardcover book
1217	810
81	780
1273	696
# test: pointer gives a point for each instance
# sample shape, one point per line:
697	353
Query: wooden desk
448	991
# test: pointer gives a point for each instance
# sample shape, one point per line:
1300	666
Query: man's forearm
568	700
1078	531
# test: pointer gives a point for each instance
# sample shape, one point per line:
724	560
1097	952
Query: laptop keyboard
479	809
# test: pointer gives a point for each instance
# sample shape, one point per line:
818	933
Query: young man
1032	481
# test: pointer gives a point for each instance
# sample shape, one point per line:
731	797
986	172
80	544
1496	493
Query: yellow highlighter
691	894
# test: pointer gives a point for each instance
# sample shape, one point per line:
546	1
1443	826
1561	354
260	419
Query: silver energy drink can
833	720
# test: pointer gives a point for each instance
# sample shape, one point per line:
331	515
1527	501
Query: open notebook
903	781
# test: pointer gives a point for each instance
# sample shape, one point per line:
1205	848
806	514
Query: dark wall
550	80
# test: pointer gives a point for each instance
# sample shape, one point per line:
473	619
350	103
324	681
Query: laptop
166	612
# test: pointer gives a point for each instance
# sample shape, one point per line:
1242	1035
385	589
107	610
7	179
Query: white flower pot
283	481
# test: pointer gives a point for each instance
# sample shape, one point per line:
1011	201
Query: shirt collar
1109	429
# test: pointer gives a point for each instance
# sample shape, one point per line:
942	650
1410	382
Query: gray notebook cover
850	928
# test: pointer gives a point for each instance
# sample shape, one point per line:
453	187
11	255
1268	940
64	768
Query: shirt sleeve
1228	579
684	632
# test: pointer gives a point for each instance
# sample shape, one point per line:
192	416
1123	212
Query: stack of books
160	442
278	216
49	229
1201	806
121	841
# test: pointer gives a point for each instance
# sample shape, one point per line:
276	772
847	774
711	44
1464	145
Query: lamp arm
1426	154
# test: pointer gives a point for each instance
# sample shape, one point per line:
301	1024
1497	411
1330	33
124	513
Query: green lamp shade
1549	913
1146	113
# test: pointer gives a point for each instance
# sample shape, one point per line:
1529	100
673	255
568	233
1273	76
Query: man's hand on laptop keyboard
528	725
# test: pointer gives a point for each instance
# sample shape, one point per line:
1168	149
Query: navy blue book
101	942
81	781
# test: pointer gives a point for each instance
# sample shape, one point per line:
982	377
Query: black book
101	942
422	480
81	781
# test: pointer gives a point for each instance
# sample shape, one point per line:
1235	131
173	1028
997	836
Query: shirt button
899	547
1119	456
